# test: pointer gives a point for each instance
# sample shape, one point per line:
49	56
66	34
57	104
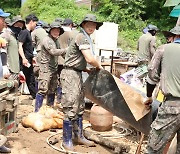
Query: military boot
4	149
67	135
39	101
50	99
78	133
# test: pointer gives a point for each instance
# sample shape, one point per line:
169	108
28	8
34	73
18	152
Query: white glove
6	72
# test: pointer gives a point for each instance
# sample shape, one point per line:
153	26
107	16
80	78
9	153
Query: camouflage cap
67	21
55	25
175	30
92	18
152	27
17	19
8	21
45	25
59	20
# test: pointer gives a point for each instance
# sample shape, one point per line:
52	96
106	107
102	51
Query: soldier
76	59
164	67
37	37
64	40
147	44
11	64
3	139
50	50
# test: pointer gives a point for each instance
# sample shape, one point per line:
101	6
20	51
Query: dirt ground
27	141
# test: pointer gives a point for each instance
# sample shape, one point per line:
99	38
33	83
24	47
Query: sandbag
47	118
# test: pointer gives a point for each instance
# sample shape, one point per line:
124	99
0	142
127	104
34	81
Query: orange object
3	42
100	119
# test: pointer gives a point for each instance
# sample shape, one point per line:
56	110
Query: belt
172	98
72	68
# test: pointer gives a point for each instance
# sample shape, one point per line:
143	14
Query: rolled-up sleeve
82	42
154	67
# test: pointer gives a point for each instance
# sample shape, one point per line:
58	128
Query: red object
22	78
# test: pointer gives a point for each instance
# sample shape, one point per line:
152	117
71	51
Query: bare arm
90	58
21	52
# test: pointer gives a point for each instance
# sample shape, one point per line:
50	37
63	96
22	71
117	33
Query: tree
126	13
12	6
48	10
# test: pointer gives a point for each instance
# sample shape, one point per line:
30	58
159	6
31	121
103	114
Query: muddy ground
27	141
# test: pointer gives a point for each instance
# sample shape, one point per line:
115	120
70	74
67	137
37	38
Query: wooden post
138	150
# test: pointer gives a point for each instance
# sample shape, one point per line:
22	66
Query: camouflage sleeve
50	46
154	67
33	35
152	46
82	42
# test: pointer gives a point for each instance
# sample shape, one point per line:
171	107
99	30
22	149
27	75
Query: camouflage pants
72	94
47	81
165	126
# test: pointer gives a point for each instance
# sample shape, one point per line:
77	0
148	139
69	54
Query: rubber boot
67	135
50	99
39	101
59	94
4	149
78	133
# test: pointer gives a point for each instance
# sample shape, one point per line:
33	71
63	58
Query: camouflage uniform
12	53
147	44
37	37
50	50
65	40
71	78
165	64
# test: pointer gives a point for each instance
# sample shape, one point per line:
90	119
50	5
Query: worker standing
47	80
164	67
77	57
147	44
10	54
64	40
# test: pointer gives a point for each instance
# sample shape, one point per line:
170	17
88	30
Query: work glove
6	72
2	42
147	102
22	77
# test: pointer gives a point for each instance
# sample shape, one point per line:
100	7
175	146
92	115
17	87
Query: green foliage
50	9
131	15
127	40
126	13
12	6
